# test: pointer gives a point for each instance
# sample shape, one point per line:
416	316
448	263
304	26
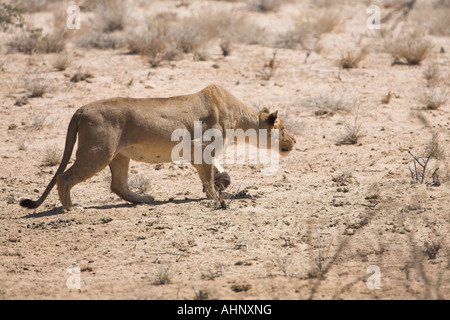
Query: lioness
113	131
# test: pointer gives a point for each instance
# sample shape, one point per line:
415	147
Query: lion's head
286	141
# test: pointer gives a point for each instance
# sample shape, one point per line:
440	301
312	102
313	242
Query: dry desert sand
342	201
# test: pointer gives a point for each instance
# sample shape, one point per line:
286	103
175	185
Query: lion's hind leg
79	172
119	181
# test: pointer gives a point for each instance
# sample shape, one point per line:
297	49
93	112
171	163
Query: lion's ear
265	110
273	117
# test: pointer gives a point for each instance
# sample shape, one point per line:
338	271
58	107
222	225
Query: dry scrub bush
61	62
411	48
164	275
98	40
433	149
269	68
352	133
431	73
352	58
140	183
434	97
308	29
52	156
111	15
32	41
10	17
36	86
329	104
168	39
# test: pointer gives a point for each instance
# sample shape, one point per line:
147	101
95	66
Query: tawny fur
113	131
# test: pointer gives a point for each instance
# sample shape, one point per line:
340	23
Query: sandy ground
299	234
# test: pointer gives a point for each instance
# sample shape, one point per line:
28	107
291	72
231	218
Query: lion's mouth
286	149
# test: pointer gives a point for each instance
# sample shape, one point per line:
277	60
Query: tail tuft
30	204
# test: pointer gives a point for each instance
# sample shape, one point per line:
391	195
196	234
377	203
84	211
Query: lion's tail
70	143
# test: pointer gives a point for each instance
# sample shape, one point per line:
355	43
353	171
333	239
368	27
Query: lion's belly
149	155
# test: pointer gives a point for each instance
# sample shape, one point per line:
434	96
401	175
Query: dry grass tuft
329	104
52	156
270	67
164	275
352	58
98	40
36	86
168	39
111	15
32	41
308	29
62	61
431	73
410	48
433	149
352	134
140	183
434	97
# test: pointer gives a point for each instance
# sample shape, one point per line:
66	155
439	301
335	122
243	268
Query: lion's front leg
206	174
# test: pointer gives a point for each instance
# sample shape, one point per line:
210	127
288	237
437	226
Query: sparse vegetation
329	104
308	29
164	275
111	15
32	41
352	58
36	86
52	156
140	183
432	74
434	97
61	62
98	40
352	133
168	39
269	68
409	48
10	17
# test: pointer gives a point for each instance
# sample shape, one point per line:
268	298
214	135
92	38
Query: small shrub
225	46
27	41
433	149
432	249
329	104
269	68
52	156
352	134
39	121
141	183
343	179
308	29
431	73
32	41
164	275
352	58
434	97
411	48
111	15
10	16
36	86
55	42
61	62
97	40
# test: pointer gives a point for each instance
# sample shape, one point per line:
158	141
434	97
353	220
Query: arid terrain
361	102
